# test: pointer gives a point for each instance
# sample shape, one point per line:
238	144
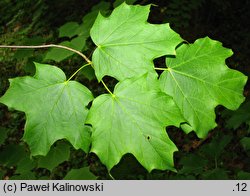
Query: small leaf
238	117
21	53
127	44
56	155
80	174
60	54
25	165
199	80
89	19
214	149
192	164
135	123
69	29
55	109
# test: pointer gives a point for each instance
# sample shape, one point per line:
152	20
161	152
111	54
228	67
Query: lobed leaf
55	109
133	120
199	80
127	44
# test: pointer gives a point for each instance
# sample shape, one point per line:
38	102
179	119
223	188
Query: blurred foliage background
224	154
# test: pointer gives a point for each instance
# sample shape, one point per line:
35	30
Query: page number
240	187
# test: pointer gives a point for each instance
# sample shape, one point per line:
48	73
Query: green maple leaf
199	80
133	120
54	108
127	44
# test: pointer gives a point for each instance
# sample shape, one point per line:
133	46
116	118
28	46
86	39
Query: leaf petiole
159	68
89	62
85	65
107	88
50	46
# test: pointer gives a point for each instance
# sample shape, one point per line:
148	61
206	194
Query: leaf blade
136	125
199	80
127	45
52	112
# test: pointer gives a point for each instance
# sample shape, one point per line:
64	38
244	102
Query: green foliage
25	165
208	161
127	45
77	33
70	29
59	54
56	155
80	174
198	80
243	175
133	118
214	149
12	154
144	136
238	117
54	108
193	164
216	174
28	175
